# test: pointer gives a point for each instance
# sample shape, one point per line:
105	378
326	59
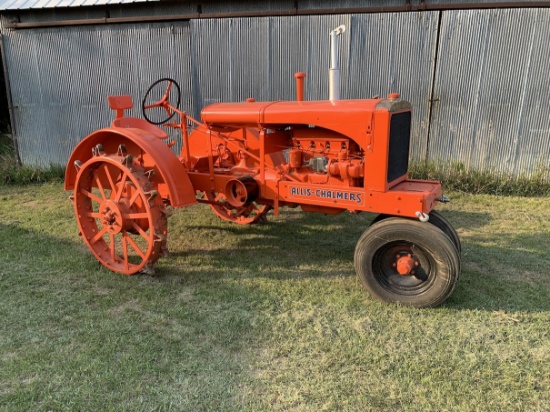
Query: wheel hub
405	264
112	216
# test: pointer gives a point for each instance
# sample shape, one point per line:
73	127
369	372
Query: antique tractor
245	159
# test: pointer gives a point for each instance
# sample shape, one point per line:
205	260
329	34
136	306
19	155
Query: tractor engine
307	144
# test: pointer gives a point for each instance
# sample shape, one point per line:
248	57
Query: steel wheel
407	262
245	215
120	216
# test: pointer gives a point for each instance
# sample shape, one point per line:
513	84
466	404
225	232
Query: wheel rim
119	215
244	215
386	265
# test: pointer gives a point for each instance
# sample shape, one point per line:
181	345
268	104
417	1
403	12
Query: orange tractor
246	159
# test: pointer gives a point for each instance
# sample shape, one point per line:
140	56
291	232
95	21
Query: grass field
269	317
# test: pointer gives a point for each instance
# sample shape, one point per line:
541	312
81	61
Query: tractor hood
348	117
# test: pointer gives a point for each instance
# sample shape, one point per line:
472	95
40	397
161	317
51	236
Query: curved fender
170	175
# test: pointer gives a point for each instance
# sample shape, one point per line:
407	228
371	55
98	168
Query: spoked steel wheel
407	262
120	216
244	215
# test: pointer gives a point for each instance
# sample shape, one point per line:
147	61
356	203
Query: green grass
11	173
457	177
269	317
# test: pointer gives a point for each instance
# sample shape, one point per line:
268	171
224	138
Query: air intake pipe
300	76
334	69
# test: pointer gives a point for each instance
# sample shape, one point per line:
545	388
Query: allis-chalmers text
328	194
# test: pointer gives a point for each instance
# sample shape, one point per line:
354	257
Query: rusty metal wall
490	69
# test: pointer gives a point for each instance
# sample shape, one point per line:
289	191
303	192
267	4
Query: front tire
407	262
439	221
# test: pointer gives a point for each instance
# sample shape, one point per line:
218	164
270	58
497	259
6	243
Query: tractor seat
124	102
136	123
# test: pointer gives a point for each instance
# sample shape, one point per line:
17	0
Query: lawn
269	317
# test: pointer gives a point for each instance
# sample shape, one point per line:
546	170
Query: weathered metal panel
331	4
44	15
61	14
214	60
492	91
238	6
152	9
301	44
395	52
257	57
59	89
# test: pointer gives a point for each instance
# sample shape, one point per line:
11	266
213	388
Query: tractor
248	158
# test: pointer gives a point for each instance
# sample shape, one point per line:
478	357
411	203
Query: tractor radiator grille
400	133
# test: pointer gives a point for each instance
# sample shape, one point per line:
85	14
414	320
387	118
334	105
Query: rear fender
169	173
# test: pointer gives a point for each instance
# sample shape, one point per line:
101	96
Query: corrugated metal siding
341	4
395	53
59	89
492	90
63	87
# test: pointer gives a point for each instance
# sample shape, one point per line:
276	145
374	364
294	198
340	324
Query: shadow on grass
512	276
506	276
293	240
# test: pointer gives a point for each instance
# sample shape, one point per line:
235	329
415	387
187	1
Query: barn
476	72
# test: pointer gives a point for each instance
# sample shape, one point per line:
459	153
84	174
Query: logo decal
344	195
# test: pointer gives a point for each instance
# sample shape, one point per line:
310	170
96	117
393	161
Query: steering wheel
158	99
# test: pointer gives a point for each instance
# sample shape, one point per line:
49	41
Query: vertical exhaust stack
334	69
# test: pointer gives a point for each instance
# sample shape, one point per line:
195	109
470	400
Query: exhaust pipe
334	69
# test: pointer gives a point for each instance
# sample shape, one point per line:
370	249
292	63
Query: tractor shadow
503	275
295	244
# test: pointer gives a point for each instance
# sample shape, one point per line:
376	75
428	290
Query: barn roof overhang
203	9
55	4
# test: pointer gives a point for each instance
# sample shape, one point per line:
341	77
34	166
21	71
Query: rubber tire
439	221
430	242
